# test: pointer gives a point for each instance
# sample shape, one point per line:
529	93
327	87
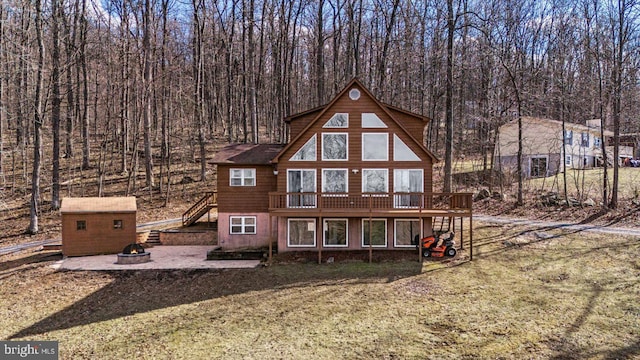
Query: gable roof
318	109
558	123
425	119
385	108
247	154
98	205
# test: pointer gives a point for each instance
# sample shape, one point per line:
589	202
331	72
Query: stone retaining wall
188	238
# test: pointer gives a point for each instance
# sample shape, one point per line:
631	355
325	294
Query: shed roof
98	205
247	154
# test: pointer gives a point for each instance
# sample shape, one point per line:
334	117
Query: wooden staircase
208	202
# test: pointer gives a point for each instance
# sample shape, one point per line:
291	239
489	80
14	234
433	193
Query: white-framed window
335	146
239	225
584	140
371	120
538	166
242	177
376	230
375	146
597	143
337	121
568	160
307	152
336	233
568	137
301	186
406	232
354	94
375	180
301	233
402	152
335	181
408	181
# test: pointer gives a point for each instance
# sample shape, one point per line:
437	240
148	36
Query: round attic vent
354	94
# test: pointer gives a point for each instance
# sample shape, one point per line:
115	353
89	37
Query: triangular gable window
338	120
371	120
401	152
307	152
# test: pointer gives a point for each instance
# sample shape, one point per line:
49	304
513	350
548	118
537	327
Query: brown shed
97	225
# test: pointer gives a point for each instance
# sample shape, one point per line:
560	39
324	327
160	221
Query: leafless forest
114	87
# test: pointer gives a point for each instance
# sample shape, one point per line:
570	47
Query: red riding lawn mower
438	246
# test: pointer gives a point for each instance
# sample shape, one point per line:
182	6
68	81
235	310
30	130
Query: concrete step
153	238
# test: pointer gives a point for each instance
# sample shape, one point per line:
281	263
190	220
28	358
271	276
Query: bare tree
198	74
37	120
623	16
147	81
56	102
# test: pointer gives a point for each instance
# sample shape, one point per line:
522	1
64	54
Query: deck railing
371	201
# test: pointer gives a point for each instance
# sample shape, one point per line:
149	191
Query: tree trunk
37	129
448	147
320	55
4	78
84	119
148	90
56	101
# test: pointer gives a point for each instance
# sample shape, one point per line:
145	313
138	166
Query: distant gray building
547	150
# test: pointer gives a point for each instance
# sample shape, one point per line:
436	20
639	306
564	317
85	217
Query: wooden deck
369	204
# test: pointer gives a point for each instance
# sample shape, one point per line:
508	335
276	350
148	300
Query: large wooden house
355	175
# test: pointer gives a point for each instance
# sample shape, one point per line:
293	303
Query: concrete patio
163	257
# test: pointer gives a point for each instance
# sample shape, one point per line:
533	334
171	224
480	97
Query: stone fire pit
133	254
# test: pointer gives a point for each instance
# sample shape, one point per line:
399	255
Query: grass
529	293
589	182
579	182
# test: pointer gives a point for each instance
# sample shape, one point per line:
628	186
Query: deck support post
470	237
270	238
319	238
419	244
370	243
461	233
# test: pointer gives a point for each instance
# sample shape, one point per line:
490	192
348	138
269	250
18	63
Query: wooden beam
461	233
321	236
471	238
270	238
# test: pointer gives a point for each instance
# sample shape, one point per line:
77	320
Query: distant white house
546	150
